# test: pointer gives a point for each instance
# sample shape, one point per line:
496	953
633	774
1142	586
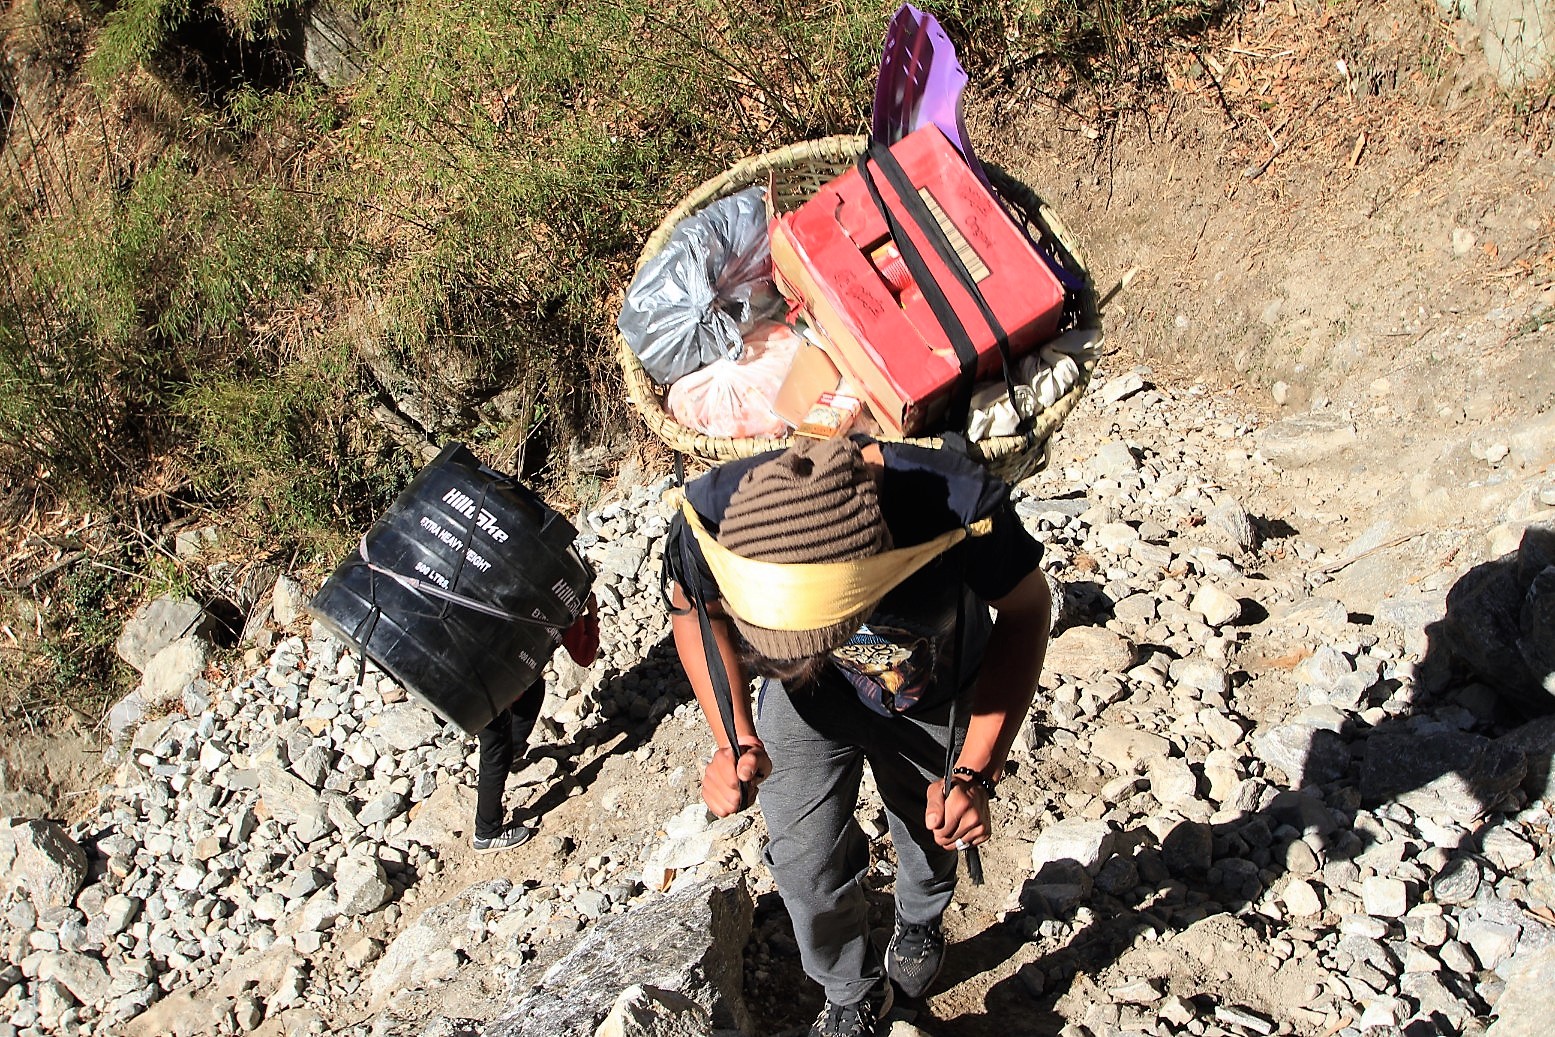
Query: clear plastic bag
734	397
691	304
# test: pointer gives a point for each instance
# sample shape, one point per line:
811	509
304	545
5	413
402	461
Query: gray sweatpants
818	742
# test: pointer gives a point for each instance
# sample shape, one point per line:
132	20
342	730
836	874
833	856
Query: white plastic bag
733	398
1041	380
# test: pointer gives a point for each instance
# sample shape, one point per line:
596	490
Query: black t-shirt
923	493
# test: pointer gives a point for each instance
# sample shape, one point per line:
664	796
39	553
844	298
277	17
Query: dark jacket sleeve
683	562
999	560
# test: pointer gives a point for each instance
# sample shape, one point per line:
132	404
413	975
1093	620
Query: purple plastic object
920	82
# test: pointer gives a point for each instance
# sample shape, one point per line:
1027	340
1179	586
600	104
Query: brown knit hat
815	502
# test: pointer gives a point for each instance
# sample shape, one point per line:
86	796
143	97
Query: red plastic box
880	332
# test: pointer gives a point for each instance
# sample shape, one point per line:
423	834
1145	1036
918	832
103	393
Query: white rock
1243	1018
1301	899
211	758
269	906
1491	942
1127	748
361	886
1216	605
1382	1012
1222	730
653	1012
1385	898
287	601
1088	652
1172	781
1121	387
1114	458
1115	537
171	670
40	861
1087	843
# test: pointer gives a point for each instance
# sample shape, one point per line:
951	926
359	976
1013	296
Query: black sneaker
859	1019
914	956
509	837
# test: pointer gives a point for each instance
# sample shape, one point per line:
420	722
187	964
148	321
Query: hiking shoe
860	1019
509	837
914	956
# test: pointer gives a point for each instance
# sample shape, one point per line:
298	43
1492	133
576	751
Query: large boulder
1089	652
157	624
412	959
1311	749
1305	439
41	862
1536	741
166	675
332	43
1519	39
1442	774
1087	843
690	942
1523	1010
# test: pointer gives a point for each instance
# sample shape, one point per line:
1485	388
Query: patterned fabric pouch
889	668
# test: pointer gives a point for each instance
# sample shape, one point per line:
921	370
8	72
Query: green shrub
131	36
60	654
108	307
136	32
457	221
286	449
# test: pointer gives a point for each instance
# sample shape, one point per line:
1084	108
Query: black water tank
461	590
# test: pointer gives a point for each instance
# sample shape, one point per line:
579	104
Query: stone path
1249	801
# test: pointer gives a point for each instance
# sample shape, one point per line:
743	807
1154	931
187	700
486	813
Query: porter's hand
962	818
723	776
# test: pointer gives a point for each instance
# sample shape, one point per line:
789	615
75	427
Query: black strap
974	859
446	598
722	692
915	209
717	673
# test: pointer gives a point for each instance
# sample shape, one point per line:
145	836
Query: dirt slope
1344	202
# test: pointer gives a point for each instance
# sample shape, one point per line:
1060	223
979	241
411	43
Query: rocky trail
1251	799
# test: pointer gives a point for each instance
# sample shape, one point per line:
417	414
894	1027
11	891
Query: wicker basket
793	174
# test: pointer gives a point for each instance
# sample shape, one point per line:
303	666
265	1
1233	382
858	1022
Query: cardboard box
879	331
811	374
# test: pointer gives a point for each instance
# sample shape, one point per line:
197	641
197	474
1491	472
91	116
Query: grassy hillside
220	271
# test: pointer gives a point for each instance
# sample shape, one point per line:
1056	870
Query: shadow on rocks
1392	808
623	730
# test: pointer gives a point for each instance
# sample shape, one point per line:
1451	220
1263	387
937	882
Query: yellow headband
811	595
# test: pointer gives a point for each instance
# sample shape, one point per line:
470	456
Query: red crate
834	256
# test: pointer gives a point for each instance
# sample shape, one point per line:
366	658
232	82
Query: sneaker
509	837
860	1019
914	956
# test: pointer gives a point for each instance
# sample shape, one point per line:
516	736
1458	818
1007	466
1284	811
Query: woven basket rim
1006	455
